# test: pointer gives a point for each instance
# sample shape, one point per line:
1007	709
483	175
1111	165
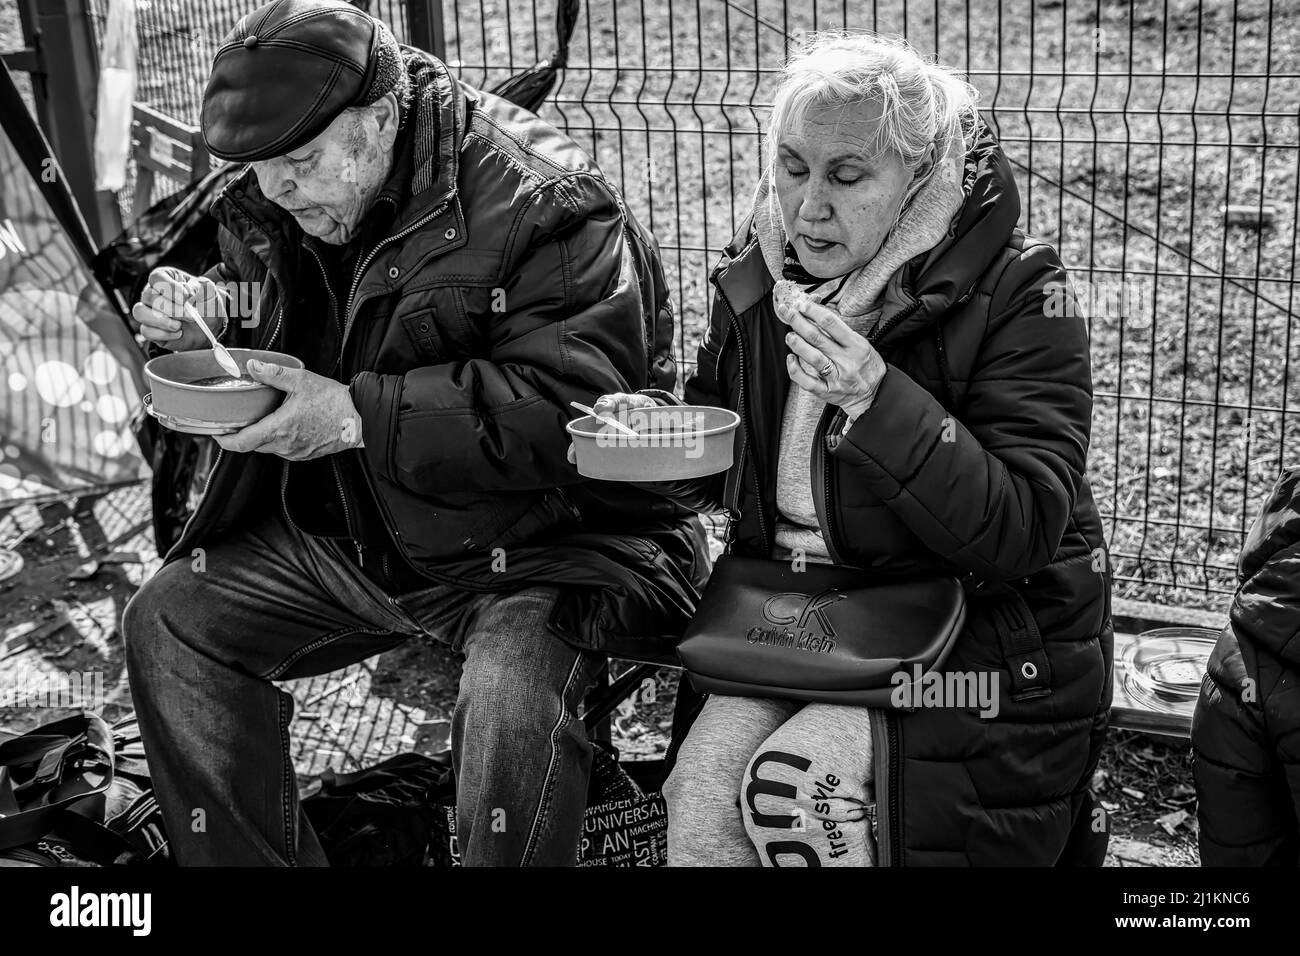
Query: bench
162	146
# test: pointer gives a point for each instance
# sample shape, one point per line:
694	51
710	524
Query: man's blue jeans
207	638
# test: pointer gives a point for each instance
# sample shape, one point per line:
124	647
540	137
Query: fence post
426	28
29	59
66	39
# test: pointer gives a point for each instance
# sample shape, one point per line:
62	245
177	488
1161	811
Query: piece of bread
785	294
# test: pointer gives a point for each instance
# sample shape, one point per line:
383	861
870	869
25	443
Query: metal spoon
224	359
608	421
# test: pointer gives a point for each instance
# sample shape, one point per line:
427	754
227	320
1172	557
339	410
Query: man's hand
162	314
317	417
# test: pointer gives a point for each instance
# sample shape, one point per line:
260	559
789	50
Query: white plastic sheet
116	96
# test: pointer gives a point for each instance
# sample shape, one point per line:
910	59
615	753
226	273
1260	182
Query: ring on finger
826	369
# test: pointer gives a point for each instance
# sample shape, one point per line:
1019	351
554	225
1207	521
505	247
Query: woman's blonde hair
922	104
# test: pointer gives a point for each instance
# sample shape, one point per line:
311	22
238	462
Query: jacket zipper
365	264
392	529
347	328
338	365
885	732
347	512
886	728
822	461
284	504
744	402
334	304
885	328
279	317
202	497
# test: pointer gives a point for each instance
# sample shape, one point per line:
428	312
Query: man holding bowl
452	272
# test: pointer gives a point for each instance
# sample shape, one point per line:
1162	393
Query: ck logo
793	608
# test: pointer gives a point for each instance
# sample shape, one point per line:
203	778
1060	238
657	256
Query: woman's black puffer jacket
971	461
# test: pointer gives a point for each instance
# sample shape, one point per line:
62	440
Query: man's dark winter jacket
511	282
1246	729
971	461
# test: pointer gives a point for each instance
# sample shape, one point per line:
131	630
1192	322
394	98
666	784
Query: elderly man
452	272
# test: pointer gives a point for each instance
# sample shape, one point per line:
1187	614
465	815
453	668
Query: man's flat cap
287	70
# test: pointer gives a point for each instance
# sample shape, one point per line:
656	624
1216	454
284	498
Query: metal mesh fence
1136	129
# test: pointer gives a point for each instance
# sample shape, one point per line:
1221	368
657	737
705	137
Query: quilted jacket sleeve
992	492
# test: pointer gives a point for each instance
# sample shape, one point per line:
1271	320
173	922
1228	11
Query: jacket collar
743	276
981	230
939	279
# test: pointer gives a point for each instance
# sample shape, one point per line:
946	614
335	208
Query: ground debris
1172	821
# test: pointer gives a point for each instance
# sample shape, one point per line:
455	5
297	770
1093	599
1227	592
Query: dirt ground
61	615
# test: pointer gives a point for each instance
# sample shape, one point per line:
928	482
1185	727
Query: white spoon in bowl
604	418
224	359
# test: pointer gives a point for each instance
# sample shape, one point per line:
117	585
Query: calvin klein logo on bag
812	629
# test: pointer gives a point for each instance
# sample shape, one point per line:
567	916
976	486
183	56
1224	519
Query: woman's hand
830	360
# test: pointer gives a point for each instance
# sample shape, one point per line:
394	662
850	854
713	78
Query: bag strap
47	747
29	826
1020	638
8	802
731	490
91	840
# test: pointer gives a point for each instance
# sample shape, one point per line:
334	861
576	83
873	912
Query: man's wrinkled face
329	184
839	199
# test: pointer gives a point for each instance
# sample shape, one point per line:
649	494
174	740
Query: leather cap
287	70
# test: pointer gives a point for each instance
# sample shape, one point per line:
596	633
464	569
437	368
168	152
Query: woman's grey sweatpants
772	782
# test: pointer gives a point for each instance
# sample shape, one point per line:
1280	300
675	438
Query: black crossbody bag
826	633
835	634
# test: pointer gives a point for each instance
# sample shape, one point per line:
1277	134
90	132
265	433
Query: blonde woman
915	398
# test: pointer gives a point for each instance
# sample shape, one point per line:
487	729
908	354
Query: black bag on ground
623	825
385	815
75	792
402	812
